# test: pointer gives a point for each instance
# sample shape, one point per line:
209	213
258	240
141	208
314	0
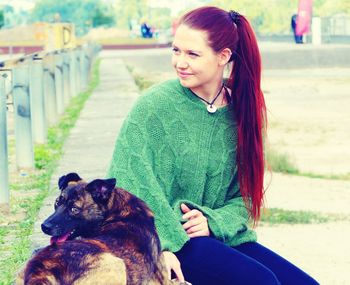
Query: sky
176	6
19	4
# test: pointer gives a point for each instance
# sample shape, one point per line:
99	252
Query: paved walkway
90	144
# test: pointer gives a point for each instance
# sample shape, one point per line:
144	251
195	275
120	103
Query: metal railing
39	86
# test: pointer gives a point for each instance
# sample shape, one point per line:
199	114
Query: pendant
211	109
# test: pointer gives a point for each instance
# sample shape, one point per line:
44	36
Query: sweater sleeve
133	166
228	223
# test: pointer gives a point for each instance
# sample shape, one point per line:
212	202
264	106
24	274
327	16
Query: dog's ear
65	179
101	189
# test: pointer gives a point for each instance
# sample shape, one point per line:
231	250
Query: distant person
192	149
298	38
146	30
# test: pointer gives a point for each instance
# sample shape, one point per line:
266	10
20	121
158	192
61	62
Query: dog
100	234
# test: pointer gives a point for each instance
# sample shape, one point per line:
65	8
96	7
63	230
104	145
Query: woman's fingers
184	208
195	222
173	264
192	214
197	227
178	272
203	233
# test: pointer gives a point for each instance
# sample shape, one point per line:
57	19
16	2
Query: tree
102	18
1	18
160	17
273	16
83	14
128	11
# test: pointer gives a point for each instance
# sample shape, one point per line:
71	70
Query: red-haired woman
192	148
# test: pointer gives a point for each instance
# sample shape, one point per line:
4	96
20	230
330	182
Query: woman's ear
224	56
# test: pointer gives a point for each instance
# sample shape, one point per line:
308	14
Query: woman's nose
181	62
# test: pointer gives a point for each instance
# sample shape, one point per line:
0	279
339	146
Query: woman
192	148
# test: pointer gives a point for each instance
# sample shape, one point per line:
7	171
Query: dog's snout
47	228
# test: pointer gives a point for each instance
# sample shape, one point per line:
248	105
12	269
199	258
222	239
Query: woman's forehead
190	38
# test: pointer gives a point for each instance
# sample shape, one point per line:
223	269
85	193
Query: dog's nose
46	228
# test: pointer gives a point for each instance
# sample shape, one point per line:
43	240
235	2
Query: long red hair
232	30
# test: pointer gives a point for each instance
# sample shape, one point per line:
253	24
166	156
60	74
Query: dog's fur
101	234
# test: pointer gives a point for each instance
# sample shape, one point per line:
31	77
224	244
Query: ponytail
232	30
250	112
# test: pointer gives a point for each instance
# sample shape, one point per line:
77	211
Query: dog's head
79	208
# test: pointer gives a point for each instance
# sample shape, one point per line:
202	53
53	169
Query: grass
283	163
280	216
280	162
28	192
142	82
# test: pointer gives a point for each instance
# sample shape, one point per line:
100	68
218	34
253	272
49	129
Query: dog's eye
74	210
58	201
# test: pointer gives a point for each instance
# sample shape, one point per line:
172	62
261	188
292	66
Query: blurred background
23	22
305	48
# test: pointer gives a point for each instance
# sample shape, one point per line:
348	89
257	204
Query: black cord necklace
211	108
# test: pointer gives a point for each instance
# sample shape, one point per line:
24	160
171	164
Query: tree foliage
274	16
84	14
130	10
1	18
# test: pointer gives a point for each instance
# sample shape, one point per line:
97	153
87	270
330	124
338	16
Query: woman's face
197	65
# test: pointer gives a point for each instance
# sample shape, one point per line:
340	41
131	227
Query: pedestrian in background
297	38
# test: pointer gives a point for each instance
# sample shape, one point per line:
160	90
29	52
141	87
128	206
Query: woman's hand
173	264
197	224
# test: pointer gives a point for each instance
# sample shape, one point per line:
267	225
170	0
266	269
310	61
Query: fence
39	86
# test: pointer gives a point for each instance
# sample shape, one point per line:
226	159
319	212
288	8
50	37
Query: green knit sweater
170	150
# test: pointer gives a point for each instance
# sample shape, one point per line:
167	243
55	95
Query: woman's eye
192	54
175	50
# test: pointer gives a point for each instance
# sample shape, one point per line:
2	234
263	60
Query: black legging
207	261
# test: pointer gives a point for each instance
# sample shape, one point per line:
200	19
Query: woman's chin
186	82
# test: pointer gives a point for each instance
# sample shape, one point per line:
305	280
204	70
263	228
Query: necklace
211	108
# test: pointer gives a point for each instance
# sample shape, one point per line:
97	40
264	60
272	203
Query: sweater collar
199	103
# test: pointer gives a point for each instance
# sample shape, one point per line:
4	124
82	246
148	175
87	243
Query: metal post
66	82
23	132
59	83
37	104
82	69
4	184
78	70
87	68
49	91
72	75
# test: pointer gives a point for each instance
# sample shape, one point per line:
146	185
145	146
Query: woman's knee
255	275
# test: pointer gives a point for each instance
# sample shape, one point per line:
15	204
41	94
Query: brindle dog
101	234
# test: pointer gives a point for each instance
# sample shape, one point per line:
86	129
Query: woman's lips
182	74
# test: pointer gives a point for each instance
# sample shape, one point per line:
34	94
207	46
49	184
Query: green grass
27	193
142	82
280	162
283	163
281	216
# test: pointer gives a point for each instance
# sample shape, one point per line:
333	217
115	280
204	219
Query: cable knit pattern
170	150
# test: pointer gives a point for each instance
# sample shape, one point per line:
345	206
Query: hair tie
234	16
